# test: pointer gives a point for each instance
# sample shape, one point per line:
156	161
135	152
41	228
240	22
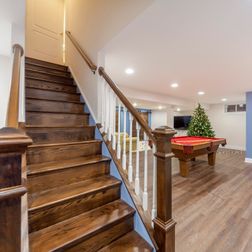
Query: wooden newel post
13	145
164	225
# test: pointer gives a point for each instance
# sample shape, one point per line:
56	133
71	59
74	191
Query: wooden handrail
13	106
89	62
127	104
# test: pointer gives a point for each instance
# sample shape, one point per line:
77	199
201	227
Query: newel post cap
164	131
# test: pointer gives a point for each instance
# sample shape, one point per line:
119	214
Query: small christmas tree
200	124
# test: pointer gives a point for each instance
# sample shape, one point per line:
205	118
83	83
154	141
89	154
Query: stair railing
13	145
139	158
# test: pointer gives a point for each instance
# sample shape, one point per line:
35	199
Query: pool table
187	148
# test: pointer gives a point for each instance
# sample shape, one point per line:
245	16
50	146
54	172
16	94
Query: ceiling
201	45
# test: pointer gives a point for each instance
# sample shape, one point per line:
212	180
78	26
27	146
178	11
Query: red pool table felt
190	143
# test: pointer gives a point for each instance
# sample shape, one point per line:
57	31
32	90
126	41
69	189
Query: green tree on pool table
200	124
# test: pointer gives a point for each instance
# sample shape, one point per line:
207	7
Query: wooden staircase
74	203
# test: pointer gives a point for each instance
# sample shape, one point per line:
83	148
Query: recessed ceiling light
134	104
201	93
178	109
160	107
129	71
174	85
224	99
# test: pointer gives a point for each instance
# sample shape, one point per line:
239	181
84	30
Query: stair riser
47	64
40	182
51	215
50	95
60	135
47	70
56	120
51	106
47	77
103	238
32	83
62	152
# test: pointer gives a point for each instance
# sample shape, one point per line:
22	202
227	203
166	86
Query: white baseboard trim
248	160
82	93
232	147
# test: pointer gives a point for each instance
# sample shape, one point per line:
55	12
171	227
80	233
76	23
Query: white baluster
103	109
130	168
137	180
154	185
110	103
124	157
119	131
107	110
114	122
145	193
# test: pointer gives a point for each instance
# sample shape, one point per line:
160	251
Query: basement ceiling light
201	93
224	99
160	107
134	104
174	85
178	109
129	71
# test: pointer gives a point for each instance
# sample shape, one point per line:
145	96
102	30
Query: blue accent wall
248	125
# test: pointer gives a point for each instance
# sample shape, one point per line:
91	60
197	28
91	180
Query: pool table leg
184	168
212	158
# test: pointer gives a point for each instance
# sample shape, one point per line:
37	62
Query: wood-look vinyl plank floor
213	206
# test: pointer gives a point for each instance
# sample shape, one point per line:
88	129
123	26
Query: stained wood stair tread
57	127
47	73
45	63
29	64
131	242
50	91
49	81
65	164
52	196
81	227
46	99
58	112
66	143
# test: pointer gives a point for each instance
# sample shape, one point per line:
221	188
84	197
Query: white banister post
137	180
130	168
118	132
124	138
145	192
103	108
114	122
109	112
154	185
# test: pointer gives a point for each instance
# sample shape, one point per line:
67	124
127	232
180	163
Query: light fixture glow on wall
129	71
224	99
134	104
160	107
178	109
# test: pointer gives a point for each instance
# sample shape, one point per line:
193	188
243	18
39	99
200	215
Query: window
235	108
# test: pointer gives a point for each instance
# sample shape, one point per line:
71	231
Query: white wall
93	24
231	126
12	12
5	76
158	118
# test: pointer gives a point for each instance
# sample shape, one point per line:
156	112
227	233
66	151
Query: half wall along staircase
74	203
